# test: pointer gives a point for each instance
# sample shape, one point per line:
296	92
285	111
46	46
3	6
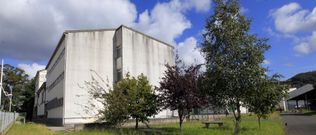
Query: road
299	124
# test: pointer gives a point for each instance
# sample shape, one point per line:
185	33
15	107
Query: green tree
130	98
233	58
17	79
178	89
28	100
267	95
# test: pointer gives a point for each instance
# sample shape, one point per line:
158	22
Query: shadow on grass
246	129
310	113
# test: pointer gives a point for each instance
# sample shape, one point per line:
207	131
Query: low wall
6	121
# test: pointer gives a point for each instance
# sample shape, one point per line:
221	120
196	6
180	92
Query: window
119	75
118	52
57	61
58	79
43	97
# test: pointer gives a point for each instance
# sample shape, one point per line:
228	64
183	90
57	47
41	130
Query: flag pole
1	79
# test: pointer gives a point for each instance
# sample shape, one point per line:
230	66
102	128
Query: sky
30	29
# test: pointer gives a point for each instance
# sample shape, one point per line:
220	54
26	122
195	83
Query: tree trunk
238	119
180	119
259	122
136	126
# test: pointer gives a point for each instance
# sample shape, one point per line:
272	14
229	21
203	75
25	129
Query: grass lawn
29	129
249	126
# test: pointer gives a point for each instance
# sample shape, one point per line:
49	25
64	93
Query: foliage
17	79
233	58
28	100
302	78
130	98
178	89
265	98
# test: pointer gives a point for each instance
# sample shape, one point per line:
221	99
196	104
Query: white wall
52	74
40	79
89	54
142	54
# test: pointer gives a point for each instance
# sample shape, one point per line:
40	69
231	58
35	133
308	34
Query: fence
6	120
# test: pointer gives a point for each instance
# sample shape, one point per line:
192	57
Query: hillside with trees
302	78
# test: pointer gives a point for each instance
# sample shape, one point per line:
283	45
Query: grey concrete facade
39	101
104	55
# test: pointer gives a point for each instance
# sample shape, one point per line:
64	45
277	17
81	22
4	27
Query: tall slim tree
178	89
265	98
233	58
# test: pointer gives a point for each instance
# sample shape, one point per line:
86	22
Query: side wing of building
55	84
142	54
89	57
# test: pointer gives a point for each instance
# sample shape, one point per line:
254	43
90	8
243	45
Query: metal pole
1	77
10	98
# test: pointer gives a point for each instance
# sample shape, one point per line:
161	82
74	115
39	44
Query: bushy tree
178	89
267	95
233	58
17	79
28	100
131	97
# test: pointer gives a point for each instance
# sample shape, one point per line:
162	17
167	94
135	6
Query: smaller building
301	98
40	95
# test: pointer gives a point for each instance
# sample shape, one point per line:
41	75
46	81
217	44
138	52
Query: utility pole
10	98
1	77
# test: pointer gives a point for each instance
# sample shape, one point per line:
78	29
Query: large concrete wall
88	54
143	54
55	84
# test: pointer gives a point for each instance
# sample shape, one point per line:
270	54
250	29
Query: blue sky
30	29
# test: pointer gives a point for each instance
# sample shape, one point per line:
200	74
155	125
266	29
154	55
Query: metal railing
6	120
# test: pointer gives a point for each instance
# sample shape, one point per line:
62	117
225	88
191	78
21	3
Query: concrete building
39	101
102	54
300	98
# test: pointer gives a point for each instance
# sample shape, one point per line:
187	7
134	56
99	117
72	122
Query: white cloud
266	62
302	48
200	5
307	46
189	52
31	69
243	10
291	18
167	21
30	29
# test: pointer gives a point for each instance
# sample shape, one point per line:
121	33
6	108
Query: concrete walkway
299	124
57	128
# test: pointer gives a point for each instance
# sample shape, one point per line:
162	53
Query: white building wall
55	85
41	104
40	79
89	54
143	54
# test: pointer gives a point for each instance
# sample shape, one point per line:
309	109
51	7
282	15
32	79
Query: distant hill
302	79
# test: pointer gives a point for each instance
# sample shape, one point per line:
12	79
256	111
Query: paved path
56	128
299	124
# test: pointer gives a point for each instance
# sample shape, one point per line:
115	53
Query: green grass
29	129
249	126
